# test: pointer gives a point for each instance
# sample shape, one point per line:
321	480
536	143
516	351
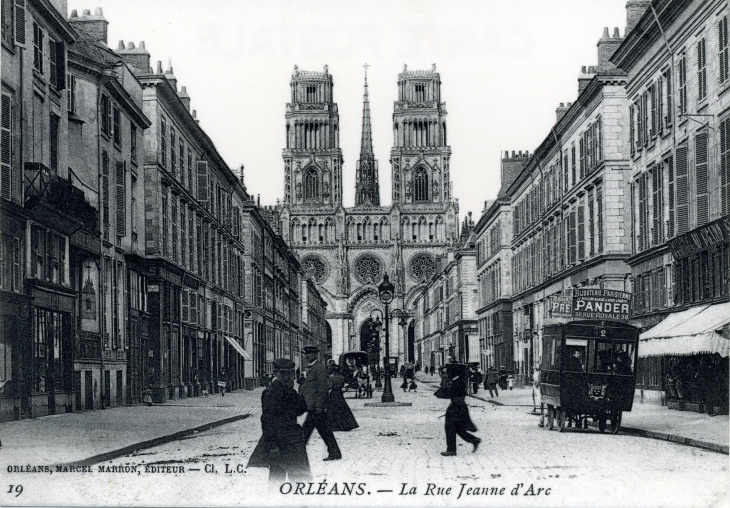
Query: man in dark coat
282	447
458	421
314	390
490	382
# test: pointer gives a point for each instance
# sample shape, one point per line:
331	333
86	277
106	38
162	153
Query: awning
692	331
233	342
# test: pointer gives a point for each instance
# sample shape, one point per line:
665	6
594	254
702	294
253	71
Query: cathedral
346	251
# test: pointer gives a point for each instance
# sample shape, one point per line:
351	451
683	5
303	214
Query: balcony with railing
56	202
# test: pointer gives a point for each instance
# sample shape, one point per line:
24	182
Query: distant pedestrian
490	382
315	390
282	447
458	422
475	378
222	382
432	370
339	415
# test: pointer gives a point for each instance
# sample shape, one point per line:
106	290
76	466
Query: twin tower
313	158
346	251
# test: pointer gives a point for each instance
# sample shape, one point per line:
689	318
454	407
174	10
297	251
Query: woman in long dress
339	415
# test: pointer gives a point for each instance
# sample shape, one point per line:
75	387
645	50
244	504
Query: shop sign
561	307
601	304
709	235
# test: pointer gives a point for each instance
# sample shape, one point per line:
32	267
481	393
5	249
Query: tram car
588	371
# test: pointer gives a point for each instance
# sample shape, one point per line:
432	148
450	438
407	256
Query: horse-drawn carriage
355	367
588	370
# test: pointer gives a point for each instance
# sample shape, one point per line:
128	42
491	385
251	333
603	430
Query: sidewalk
93	436
647	420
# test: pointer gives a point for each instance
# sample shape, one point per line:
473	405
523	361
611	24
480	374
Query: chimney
137	58
607	46
511	167
560	111
170	76
635	9
184	97
94	27
585	77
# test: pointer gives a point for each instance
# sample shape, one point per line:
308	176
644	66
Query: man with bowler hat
282	447
314	391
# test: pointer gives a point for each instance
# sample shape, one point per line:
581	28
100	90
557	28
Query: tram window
602	357
575	355
623	358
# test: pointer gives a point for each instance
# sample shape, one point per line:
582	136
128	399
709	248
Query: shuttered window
163	142
645	119
682	190
183	237
660	106
639	125
682	87
653	111
121	201
175	231
19	15
671	197
6	159
643	233
725	166
582	151
572	237
701	180
572	167
632	130
723	54
701	71
191	240
105	194
37	48
182	161
173	157
657	204
202	181
599	209
581	232
591	225
669	104
163	236
599	138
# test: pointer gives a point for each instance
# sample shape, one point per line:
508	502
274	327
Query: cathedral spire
367	189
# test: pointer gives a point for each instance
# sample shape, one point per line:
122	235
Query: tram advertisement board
601	304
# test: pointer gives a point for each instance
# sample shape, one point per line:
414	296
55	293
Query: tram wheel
550	417
561	420
602	424
615	422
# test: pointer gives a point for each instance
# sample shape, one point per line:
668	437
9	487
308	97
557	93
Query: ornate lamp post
376	315
385	292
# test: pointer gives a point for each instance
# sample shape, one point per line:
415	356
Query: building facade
346	251
493	237
678	81
569	213
446	327
106	128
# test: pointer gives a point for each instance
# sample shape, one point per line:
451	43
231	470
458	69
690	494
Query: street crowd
282	447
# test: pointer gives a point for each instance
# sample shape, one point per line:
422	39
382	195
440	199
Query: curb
126	450
697	443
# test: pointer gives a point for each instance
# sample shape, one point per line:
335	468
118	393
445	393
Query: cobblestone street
397	446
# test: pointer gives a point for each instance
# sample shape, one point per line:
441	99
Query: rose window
423	267
314	268
368	269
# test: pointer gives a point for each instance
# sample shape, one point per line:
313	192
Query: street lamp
385	292
376	315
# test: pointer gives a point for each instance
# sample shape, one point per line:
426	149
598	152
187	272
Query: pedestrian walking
222	382
475	378
490	382
315	390
458	422
282	447
339	415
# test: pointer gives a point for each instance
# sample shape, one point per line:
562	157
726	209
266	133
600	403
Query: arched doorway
369	341
412	341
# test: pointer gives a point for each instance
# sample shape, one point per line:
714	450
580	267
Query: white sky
505	65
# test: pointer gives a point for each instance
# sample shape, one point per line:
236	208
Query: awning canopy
239	348
692	331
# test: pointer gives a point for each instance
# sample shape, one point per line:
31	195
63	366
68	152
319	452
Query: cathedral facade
346	251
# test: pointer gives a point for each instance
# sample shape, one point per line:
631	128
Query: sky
505	66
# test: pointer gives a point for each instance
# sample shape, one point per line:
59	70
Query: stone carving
315	268
368	269
422	267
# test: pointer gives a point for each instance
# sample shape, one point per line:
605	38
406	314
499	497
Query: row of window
489	243
490	284
565	241
577	163
689	281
